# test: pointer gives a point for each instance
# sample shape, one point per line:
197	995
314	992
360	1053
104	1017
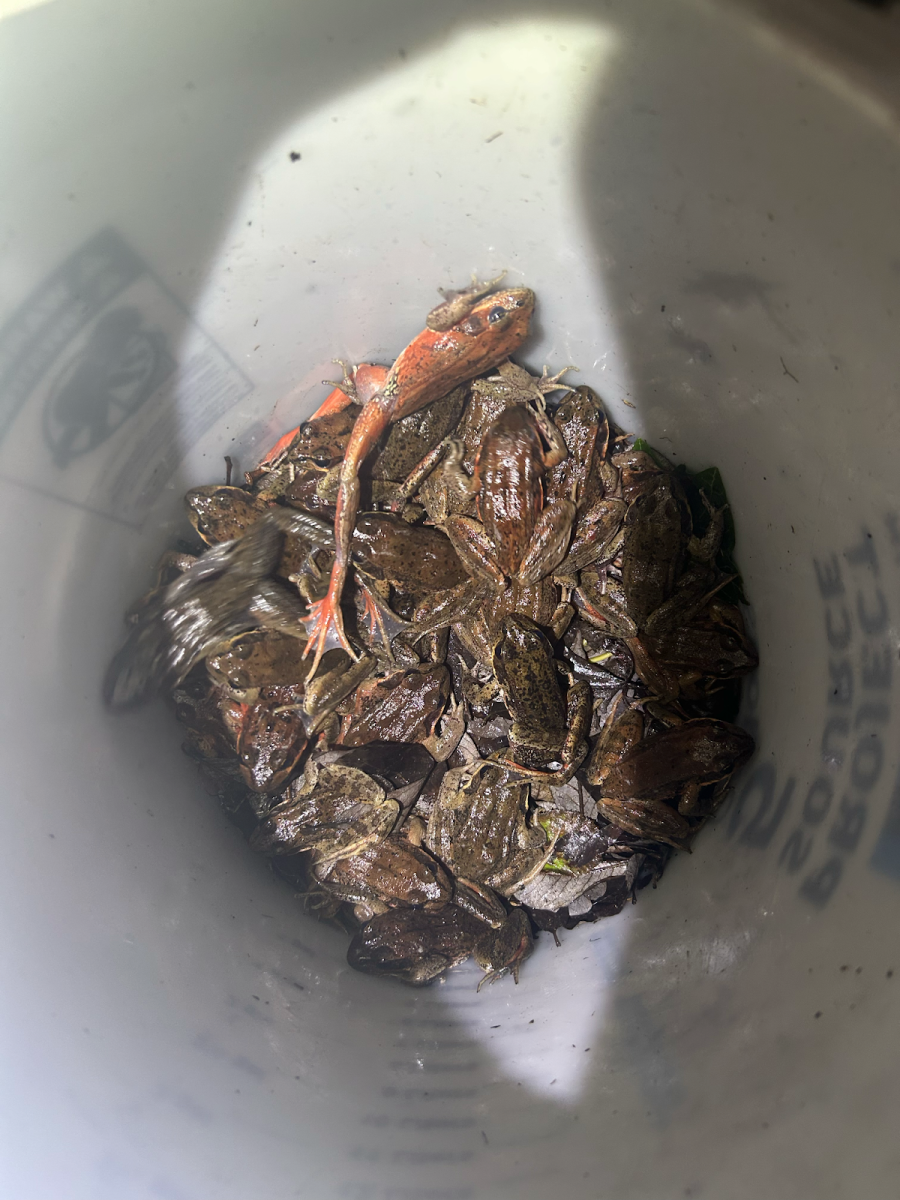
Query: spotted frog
391	872
480	828
334	811
546	728
272	739
404	707
518	541
695	658
220	514
259	659
415	945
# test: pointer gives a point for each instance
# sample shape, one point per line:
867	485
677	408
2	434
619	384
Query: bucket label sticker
105	381
816	825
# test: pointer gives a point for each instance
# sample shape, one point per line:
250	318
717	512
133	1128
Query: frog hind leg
474	548
325	615
549	541
325	623
491	947
380	618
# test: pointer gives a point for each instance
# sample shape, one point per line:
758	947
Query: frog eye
496	314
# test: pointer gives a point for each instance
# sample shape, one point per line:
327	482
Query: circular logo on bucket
104	384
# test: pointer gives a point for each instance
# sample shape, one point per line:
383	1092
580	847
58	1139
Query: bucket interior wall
204	205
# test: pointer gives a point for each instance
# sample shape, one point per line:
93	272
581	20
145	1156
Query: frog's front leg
549	541
556	450
707	547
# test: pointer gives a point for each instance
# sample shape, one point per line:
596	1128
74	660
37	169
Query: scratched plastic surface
202	205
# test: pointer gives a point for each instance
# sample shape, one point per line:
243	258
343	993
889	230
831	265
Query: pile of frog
462	664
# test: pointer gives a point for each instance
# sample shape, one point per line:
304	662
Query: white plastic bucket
202	205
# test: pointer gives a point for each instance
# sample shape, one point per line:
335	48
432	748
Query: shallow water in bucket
204	205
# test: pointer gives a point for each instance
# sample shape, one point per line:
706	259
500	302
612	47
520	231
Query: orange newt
434	363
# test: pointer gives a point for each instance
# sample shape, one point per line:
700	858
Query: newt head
500	316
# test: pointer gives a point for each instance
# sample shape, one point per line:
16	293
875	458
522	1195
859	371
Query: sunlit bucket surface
195	227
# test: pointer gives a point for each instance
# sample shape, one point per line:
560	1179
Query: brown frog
498	951
220	514
492	395
638	471
694	658
259	659
480	828
518	541
647	818
622	731
404	707
272	739
210	719
457	303
413	558
657	530
582	422
334	811
546	728
391	872
324	439
306	485
655	592
518	536
415	945
652	820
672	765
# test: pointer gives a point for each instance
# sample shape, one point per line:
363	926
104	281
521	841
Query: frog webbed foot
551	383
382	621
325	627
